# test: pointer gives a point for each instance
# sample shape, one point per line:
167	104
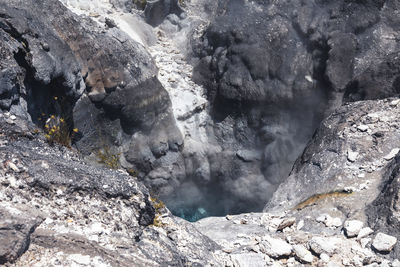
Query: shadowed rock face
60	56
383	212
279	67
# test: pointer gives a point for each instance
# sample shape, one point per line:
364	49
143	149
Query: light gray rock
392	154
248	260
353	227
364	232
275	248
352	155
287	222
324	257
363	128
303	254
326	245
383	242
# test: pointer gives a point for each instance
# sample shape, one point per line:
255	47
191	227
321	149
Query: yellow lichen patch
157	221
319	197
157	204
106	157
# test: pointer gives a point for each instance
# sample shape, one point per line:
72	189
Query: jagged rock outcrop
288	64
101	76
356	142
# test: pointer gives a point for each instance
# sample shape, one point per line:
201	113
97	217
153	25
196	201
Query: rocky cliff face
109	89
280	70
267	73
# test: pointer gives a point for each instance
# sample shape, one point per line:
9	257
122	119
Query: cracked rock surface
61	211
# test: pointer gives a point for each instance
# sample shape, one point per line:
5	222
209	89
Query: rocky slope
68	213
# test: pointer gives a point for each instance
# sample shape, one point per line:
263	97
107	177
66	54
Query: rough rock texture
269	72
246	240
156	10
58	55
325	166
359	190
383	212
63	211
17	224
276	68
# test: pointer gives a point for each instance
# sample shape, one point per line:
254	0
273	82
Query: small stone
349	189
322	218
346	261
336	222
363	128
303	254
275	248
13	117
364	242
357	261
44	165
45	46
80	259
248	259
353	227
48	220
323	245
392	154
394	103
309	78
12	181
361	175
363	186
364	232
383	242
300	225
13	166
286	223
110	23
352	155
324	257
396	263
96	228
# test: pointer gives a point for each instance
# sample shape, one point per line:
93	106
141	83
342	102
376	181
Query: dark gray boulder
17	224
157	10
378	81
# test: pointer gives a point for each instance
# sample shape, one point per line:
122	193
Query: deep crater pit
244	176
